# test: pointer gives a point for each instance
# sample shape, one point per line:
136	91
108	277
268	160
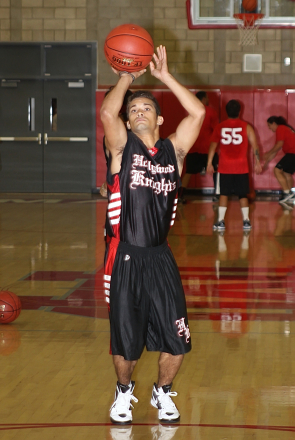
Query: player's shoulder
283	128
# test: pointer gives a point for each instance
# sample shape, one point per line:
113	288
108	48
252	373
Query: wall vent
252	63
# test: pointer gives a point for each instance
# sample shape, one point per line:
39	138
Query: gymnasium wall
257	105
196	57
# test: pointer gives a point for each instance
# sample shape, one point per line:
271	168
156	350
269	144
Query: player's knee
278	171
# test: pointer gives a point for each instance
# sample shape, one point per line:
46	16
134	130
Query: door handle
21	138
64	139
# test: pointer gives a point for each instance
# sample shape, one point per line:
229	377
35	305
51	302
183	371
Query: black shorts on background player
197	163
237	184
287	163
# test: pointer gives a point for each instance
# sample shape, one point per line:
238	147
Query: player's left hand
159	67
103	190
258	168
135	74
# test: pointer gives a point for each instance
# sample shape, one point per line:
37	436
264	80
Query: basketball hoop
248	25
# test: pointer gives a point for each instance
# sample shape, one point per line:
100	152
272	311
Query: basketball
10	307
249	5
129	48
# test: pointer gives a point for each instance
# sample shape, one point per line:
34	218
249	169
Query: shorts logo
183	330
127	257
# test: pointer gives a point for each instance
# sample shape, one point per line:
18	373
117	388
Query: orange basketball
249	5
129	48
10	306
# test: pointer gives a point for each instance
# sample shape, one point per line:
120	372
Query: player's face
272	126
142	115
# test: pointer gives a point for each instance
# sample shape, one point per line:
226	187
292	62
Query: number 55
231	136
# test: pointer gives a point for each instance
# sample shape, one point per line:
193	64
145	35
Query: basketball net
248	25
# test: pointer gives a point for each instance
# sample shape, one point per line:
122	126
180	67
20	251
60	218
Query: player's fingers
141	72
163	51
157	61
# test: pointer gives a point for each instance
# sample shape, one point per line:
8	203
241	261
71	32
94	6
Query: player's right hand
210	169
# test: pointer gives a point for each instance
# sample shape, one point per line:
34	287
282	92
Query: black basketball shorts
237	184
197	162
287	163
147	303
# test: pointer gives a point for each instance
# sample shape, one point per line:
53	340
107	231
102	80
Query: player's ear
128	125
160	120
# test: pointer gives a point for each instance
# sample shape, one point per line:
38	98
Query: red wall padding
257	106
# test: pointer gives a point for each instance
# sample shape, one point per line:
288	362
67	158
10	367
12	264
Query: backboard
220	13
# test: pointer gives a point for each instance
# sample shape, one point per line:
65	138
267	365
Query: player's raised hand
159	67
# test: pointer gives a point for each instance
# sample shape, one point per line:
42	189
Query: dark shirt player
142	282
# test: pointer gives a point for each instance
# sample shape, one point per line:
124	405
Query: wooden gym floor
57	376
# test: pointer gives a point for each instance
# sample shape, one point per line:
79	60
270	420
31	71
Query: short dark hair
201	95
144	94
233	108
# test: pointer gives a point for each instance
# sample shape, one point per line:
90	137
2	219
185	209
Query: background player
285	139
142	282
196	160
232	136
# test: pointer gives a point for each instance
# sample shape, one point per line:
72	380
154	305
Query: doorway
47	117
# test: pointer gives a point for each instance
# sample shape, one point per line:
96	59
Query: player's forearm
256	154
112	103
271	154
211	153
187	99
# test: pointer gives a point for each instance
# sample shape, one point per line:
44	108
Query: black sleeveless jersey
143	195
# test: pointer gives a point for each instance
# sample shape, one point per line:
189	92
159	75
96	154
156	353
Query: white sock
245	213
221	244
286	191
221	213
245	243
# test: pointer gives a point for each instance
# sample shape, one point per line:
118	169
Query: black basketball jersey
143	195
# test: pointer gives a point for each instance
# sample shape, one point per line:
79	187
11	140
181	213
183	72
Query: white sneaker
121	409
285	197
122	433
163	432
161	399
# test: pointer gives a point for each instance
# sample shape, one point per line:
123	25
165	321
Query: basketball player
196	160
232	136
142	282
285	139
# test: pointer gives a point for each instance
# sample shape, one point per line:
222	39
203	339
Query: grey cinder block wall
196	57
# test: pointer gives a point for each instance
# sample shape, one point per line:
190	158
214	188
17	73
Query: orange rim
248	17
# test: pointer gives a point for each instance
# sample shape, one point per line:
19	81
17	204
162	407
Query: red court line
236	269
7	426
